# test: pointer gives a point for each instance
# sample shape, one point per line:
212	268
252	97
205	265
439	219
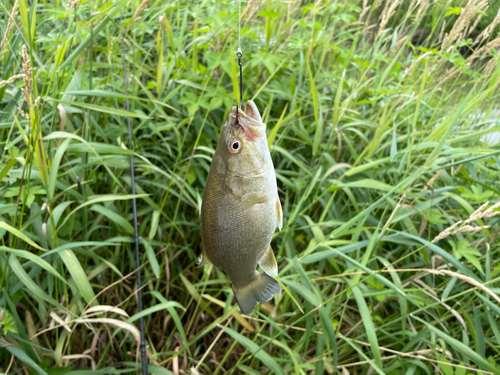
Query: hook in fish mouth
251	113
248	121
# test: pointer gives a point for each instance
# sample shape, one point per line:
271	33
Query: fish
241	209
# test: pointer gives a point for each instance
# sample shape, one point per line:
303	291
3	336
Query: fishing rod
134	207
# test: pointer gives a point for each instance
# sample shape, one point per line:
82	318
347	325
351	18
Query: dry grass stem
68	357
433	295
400	43
398	205
447	273
411	8
433	179
418	355
212	344
440	39
467	279
415	62
59	320
451	74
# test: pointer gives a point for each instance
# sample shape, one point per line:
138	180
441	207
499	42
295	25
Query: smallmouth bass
241	208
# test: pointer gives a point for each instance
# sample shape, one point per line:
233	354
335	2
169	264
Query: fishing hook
239	54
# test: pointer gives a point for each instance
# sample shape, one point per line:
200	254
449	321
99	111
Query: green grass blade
20	235
255	349
23	357
29	283
461	347
79	277
113	217
368	323
35	259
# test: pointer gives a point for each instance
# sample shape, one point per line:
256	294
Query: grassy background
382	138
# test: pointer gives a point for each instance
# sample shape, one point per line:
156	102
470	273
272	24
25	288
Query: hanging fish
241	208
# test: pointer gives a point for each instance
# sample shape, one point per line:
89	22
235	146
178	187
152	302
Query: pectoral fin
268	263
202	261
250	199
279	213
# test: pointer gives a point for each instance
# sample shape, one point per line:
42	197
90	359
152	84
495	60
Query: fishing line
134	206
239	54
239	26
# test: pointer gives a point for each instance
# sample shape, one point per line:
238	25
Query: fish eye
235	146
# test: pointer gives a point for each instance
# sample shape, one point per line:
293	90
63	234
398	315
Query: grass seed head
23	114
490	213
10	80
422	7
366	7
73	4
445	233
8	29
387	13
476	214
480	213
485	34
27	75
463	21
251	9
483	6
140	9
481	52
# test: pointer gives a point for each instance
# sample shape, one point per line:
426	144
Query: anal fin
268	263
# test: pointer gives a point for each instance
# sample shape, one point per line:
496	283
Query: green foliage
461	249
381	139
7	324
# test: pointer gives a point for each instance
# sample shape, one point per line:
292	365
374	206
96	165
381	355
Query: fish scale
241	207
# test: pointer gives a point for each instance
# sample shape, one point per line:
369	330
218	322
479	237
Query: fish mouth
249	120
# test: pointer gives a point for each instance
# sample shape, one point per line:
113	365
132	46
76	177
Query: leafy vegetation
385	143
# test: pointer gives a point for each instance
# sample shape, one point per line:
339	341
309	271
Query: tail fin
262	289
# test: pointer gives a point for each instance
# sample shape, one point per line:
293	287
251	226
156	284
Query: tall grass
381	139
